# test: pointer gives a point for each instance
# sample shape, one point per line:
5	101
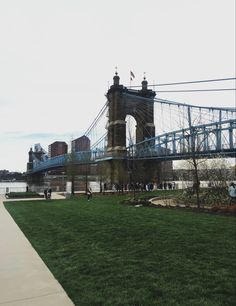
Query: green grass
104	253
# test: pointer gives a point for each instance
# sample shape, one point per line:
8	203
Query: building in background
57	148
81	144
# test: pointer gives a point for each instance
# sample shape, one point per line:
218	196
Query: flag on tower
132	76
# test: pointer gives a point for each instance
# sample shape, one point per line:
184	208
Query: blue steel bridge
135	124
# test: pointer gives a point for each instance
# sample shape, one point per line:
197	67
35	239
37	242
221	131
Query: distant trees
211	170
6	175
217	172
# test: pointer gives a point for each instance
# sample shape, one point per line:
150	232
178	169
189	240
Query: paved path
168	202
24	278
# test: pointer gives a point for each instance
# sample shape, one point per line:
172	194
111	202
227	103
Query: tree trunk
196	183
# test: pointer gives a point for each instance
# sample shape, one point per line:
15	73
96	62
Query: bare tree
193	167
194	141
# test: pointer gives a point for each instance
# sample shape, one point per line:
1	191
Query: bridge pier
129	171
146	171
117	172
35	181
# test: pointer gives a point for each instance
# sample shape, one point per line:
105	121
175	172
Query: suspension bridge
136	125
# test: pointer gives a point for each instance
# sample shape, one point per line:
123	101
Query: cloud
6	101
39	135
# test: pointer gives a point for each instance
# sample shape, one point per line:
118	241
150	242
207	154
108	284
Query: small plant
207	196
136	201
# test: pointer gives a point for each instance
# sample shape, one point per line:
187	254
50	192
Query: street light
86	178
131	168
63	181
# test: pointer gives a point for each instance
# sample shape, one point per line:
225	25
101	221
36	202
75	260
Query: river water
12	187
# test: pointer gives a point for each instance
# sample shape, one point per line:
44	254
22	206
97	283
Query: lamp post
86	178
131	168
63	173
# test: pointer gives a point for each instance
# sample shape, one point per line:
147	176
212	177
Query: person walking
89	193
45	193
49	193
232	193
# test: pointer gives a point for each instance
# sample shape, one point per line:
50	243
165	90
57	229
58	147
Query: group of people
136	186
231	191
47	193
165	186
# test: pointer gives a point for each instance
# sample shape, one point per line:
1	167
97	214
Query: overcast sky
57	58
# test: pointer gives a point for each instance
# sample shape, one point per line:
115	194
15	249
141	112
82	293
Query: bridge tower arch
122	102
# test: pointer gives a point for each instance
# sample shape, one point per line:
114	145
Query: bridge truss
182	130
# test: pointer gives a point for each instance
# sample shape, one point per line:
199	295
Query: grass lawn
104	253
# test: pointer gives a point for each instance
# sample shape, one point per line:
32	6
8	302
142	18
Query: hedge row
18	195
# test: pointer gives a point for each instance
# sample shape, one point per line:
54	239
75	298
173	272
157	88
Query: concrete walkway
24	278
168	202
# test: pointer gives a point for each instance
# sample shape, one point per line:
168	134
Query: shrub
208	196
20	195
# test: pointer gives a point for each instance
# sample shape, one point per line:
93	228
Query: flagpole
131	77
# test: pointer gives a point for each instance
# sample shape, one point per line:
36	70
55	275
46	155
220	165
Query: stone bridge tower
123	102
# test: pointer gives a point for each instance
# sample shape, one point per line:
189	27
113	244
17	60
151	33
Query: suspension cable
165	101
188	82
99	141
197	90
101	112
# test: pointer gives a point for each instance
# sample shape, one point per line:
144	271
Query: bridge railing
82	157
203	139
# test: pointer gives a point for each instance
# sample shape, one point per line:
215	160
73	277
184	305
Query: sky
58	58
